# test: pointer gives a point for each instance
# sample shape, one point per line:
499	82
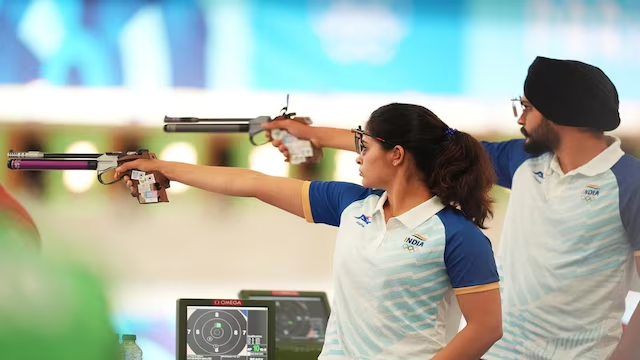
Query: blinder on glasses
517	106
359	135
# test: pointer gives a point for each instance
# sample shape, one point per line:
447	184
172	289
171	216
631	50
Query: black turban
572	93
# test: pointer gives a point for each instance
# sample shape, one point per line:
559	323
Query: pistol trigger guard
251	140
102	172
255	127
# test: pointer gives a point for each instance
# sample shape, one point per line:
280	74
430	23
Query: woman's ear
397	155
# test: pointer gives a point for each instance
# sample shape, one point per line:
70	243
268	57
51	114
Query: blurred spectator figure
19	224
49	309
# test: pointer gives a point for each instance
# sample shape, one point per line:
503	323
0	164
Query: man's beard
541	140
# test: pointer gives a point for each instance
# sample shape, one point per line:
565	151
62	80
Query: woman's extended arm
320	137
281	192
483	314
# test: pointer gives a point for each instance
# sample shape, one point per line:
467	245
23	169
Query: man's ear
397	155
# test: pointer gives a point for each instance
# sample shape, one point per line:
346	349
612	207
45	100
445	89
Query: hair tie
450	132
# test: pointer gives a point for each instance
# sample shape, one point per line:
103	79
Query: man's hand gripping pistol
149	188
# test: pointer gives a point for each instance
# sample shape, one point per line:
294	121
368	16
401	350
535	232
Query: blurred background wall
95	76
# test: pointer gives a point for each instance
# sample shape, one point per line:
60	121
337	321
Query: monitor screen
225	329
301	317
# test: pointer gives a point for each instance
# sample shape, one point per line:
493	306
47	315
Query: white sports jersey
566	254
393	282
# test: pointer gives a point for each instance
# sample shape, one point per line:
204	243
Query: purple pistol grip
33	164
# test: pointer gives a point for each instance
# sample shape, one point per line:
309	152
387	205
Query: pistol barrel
218	127
44	155
51	164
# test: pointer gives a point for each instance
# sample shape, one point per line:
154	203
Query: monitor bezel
246	294
181	320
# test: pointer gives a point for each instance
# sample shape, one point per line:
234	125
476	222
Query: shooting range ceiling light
268	160
181	152
346	167
79	181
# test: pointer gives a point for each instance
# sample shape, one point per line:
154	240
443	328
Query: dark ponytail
462	176
453	164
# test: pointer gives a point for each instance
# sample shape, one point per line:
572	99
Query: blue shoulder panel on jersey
627	172
506	157
328	199
468	254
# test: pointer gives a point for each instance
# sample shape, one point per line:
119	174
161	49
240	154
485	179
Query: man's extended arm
333	138
505	156
320	137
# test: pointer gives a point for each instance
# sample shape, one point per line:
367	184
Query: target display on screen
225	329
301	317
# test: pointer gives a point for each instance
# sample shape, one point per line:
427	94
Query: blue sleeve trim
627	173
328	199
506	157
468	254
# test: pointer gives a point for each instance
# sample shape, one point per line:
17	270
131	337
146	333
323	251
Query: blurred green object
49	309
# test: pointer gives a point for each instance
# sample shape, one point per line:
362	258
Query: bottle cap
129	337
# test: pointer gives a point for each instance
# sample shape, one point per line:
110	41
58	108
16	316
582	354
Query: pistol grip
148	188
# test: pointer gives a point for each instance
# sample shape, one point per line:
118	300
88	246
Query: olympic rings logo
408	247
